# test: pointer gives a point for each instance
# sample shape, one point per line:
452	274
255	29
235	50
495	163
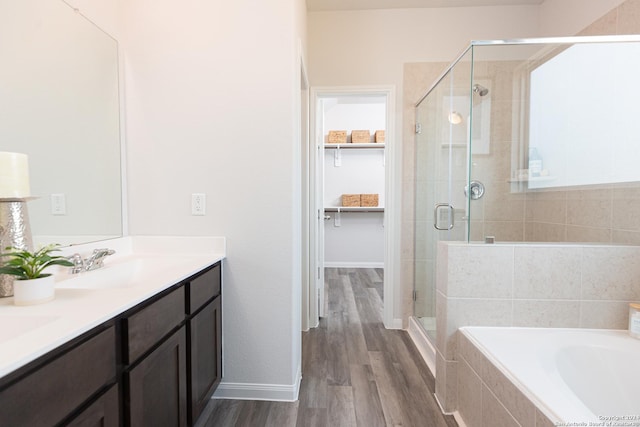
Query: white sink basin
123	273
16	325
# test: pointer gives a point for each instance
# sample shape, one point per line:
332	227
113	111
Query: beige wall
567	17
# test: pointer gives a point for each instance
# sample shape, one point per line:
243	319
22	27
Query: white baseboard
248	391
395	324
354	264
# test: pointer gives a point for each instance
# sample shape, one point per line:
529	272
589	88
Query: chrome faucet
95	261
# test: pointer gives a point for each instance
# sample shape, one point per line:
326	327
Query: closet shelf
354	209
374	145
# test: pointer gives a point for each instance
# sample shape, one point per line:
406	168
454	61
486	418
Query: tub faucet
95	261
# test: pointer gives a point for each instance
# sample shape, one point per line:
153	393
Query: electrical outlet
198	203
58	204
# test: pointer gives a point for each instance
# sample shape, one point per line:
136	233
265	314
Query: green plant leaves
30	265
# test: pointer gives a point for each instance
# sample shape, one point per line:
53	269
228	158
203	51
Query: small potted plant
32	285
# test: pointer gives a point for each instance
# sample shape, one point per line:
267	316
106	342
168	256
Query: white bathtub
571	375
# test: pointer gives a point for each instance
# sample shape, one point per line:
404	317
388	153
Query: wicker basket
369	200
379	136
360	136
351	200
337	137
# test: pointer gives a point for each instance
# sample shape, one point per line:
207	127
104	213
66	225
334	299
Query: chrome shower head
480	90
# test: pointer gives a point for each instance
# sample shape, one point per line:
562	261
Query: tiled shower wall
606	214
531	285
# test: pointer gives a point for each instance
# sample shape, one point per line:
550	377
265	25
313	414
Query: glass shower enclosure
527	141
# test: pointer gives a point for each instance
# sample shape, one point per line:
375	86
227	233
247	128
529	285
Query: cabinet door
205	355
54	391
157	386
103	412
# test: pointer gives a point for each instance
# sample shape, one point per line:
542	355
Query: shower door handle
436	211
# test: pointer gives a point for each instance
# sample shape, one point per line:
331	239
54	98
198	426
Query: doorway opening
351	135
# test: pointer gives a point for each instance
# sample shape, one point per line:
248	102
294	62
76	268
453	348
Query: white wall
211	107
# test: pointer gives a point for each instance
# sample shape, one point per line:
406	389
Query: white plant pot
34	291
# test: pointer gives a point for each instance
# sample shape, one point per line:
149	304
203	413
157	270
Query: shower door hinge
418	128
415	295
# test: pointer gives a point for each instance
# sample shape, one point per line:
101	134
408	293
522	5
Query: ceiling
324	5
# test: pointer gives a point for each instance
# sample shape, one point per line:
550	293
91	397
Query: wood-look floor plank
223	413
341	411
355	372
312	417
356	343
283	414
366	399
337	357
253	413
390	393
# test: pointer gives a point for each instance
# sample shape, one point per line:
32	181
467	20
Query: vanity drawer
52	392
148	326
204	287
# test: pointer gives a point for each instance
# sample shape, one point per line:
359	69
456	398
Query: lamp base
15	232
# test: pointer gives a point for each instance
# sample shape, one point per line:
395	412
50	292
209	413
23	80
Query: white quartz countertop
142	267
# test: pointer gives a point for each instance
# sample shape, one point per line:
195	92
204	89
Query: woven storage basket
360	136
351	200
369	200
337	137
379	136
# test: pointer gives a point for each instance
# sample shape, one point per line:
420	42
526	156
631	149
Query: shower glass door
441	174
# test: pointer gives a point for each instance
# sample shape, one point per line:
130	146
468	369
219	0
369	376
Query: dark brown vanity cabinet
174	353
205	339
57	386
157	364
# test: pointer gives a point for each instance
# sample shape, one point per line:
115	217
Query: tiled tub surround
527	285
547	376
86	300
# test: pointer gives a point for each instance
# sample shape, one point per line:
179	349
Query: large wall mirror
59	103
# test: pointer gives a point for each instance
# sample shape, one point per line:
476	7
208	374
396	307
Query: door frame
392	284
